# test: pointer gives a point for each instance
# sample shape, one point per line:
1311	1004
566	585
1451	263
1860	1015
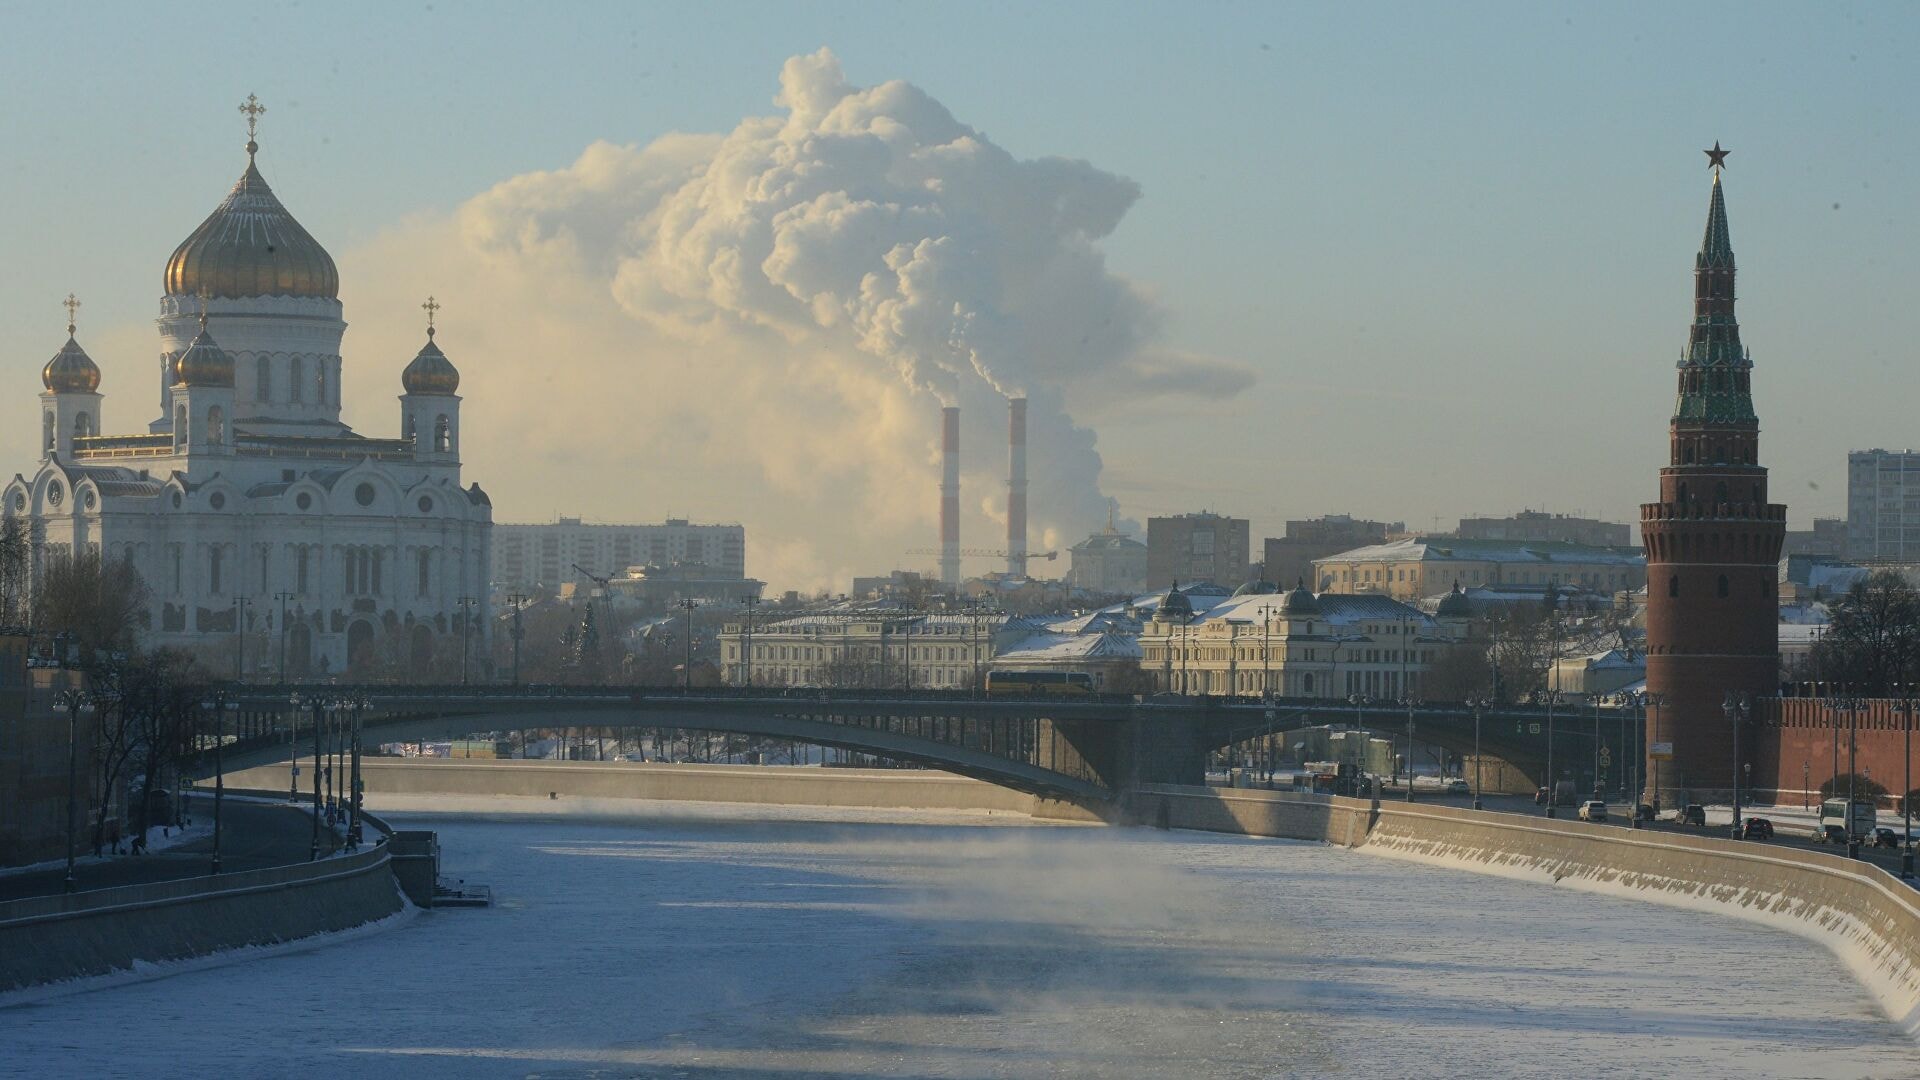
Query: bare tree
1873	638
100	601
15	554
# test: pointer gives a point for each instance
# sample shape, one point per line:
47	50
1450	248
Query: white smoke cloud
766	321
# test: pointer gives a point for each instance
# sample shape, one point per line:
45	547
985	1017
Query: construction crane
985	553
606	588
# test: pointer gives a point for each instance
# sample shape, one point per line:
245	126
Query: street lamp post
1408	701
316	703
1656	700
467	604
1597	793
519	601
283	597
75	701
1736	706
1266	652
746	655
686	666
1479	706
353	795
240	638
1906	792
218	706
1553	789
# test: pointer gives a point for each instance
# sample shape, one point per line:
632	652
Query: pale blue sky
1453	241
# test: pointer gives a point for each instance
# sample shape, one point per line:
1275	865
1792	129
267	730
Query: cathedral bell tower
430	408
70	408
1712	543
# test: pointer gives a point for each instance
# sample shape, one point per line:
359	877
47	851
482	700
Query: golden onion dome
71	371
203	364
430	372
251	246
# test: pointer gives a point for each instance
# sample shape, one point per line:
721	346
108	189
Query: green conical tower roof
1714	383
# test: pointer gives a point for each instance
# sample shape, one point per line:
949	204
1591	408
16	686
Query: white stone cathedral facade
248	495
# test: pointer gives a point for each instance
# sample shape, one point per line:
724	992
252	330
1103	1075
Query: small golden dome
203	364
71	371
430	372
251	246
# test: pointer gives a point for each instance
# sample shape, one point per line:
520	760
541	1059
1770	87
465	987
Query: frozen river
705	941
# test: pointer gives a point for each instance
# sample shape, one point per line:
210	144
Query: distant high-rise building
542	557
1826	540
1109	562
1883	505
1197	547
1539	525
1289	558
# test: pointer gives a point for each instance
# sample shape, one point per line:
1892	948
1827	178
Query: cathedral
270	534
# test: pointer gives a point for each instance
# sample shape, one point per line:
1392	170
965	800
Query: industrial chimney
1017	487
950	497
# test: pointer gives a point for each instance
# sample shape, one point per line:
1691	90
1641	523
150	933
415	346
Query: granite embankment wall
50	938
1864	914
775	785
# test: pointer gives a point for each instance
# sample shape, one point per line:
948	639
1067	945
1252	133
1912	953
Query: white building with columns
248	495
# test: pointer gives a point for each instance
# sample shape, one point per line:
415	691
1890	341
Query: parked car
1593	810
1458	787
1693	814
1886	838
1829	834
1757	828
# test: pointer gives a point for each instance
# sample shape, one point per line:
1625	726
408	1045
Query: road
1787	834
253	836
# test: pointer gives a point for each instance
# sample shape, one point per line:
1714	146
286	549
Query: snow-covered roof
1451	549
1337	609
1057	648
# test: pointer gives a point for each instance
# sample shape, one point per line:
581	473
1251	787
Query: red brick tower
1712	541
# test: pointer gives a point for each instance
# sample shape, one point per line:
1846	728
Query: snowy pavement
710	940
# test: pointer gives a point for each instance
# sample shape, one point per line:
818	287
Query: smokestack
950	497
1017	486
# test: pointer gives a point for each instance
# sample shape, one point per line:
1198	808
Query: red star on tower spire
1716	157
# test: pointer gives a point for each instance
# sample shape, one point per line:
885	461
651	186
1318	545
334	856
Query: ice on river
706	940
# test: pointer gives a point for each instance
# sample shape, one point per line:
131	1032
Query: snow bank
1863	915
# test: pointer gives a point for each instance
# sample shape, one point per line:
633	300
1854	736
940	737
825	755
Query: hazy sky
1402	261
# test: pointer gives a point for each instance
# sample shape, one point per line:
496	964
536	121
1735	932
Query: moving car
1458	787
1593	810
1886	838
1858	819
1757	828
1829	834
1693	814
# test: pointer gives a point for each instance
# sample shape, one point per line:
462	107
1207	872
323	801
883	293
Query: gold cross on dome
253	110
72	305
430	307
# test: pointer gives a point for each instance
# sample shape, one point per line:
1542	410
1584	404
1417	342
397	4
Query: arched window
1723	585
442	436
216	426
262	379
424	570
1683	491
1720	492
46	431
1673	585
411	434
300	568
320	394
82	426
213	571
296	380
180	427
1688	454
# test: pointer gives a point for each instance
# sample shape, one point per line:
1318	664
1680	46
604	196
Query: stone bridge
1084	749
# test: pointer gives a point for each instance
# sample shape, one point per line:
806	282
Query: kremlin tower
1712	542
